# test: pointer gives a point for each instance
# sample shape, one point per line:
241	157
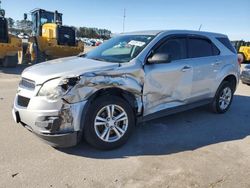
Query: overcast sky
230	17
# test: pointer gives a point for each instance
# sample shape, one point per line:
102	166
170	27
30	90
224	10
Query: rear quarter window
225	41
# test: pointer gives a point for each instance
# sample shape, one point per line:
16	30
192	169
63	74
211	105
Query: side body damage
126	82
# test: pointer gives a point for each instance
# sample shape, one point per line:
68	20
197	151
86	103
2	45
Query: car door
168	84
203	56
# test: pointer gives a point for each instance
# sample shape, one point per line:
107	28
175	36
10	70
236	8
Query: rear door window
198	47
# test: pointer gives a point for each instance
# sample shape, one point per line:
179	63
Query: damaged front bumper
57	123
60	140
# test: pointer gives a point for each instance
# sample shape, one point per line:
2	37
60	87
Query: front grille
26	83
23	101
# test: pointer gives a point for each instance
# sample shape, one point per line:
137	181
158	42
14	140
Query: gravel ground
189	149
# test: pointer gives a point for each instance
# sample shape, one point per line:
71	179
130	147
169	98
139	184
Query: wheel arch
231	79
126	95
129	97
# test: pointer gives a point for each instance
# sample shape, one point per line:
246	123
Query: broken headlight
54	89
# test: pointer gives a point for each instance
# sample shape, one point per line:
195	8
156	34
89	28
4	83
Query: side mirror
159	58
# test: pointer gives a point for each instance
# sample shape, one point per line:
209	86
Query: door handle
186	68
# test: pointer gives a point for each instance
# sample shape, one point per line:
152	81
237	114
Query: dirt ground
189	149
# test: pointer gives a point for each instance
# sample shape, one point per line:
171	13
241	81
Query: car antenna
200	27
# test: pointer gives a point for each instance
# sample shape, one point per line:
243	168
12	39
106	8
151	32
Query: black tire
89	130
215	105
10	61
23	57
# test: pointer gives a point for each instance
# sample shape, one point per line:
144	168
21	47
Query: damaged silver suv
132	77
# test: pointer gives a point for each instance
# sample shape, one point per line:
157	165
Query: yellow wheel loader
9	44
50	39
244	52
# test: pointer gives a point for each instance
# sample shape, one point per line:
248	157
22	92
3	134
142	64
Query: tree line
237	44
93	33
19	26
25	26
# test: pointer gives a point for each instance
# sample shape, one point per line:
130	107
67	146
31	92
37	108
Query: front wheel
223	98
109	122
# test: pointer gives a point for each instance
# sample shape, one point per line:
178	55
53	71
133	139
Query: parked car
23	36
245	75
102	94
98	43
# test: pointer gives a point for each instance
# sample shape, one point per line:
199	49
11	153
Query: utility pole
124	18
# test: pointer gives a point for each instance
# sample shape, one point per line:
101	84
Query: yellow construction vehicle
9	44
244	52
50	39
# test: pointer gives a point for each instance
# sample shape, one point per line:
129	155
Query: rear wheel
10	61
23	58
223	98
109	122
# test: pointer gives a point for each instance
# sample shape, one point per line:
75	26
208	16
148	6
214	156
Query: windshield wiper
98	59
82	55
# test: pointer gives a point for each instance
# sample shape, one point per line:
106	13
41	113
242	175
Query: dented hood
71	66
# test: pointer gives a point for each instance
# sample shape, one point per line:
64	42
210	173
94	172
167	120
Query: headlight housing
54	89
51	89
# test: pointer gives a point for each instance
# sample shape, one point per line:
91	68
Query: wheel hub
111	123
225	98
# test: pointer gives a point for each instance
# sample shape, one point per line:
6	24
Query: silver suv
132	77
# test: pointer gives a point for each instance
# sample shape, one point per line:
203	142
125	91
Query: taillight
240	59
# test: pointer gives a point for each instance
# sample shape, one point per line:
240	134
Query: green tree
24	26
11	22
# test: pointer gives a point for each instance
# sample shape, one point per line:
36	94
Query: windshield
120	49
48	17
